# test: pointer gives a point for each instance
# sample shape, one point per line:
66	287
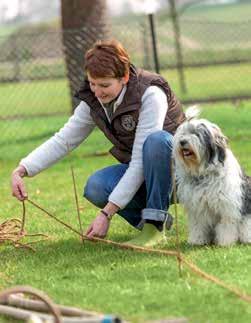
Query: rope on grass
13	231
181	258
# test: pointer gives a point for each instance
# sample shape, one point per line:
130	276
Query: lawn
137	287
22	104
232	12
31	98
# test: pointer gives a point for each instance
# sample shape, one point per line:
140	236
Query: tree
83	22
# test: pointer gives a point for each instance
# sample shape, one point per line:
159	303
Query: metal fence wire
214	63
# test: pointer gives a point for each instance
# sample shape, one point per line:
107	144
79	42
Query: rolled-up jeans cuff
154	214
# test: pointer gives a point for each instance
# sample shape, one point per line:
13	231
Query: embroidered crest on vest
128	123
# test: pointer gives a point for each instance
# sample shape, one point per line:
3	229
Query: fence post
178	48
154	43
145	46
15	57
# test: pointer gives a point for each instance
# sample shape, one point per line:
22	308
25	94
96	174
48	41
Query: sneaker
150	236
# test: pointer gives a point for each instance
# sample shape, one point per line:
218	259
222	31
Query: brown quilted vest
121	130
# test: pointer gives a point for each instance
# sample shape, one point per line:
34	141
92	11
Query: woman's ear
125	79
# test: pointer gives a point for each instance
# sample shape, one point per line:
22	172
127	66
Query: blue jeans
152	200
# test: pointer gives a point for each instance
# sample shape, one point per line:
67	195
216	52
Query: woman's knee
95	191
158	144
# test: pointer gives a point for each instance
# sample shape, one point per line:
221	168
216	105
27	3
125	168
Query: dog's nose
183	142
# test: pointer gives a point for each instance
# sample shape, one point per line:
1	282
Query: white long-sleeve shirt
80	125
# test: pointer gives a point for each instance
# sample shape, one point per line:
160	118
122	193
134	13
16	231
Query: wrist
106	214
20	170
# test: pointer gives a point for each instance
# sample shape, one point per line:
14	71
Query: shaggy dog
211	184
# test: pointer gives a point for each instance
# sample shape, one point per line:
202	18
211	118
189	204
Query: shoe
150	236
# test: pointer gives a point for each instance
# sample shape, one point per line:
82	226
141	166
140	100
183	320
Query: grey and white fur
211	184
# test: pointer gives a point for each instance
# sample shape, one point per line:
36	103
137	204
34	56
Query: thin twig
23	219
76	201
176	215
75	195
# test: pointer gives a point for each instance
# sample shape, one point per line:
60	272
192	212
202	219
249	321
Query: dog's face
199	144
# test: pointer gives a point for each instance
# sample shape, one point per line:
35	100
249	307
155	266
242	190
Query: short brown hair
107	58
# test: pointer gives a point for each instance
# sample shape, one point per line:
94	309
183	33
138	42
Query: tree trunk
83	23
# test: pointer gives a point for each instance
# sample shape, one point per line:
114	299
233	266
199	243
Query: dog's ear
221	145
192	112
209	141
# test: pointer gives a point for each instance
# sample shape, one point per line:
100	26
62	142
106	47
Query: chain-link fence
211	62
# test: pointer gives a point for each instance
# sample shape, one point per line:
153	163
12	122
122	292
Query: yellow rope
13	231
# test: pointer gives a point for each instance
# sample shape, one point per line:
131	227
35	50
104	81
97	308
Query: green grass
28	69
92	276
6	31
31	99
213	81
235	12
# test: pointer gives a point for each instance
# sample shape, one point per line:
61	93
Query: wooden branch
176	214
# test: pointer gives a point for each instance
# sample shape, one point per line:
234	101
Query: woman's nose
98	92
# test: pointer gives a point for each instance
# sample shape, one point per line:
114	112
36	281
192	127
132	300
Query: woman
137	111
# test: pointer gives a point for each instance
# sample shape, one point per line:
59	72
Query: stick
76	200
176	216
75	194
23	219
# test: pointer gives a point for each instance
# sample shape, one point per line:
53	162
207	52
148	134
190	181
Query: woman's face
106	89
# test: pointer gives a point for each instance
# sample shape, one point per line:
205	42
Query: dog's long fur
211	184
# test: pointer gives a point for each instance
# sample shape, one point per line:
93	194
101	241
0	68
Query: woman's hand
17	183
99	227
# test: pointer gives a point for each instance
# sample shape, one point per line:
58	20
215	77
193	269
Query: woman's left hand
99	227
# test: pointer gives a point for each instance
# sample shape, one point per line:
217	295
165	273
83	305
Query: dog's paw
198	241
224	242
226	234
199	236
245	231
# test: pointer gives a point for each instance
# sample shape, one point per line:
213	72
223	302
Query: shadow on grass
74	251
